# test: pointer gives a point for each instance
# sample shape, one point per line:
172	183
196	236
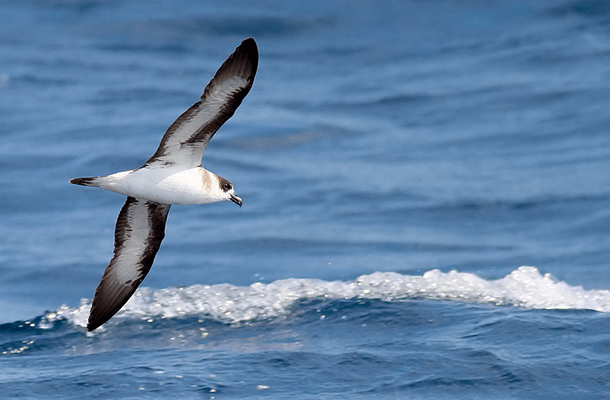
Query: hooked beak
235	199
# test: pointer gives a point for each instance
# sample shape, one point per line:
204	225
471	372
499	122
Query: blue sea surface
426	195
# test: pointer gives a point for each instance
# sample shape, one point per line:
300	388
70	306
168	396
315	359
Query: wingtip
243	63
250	43
251	49
97	318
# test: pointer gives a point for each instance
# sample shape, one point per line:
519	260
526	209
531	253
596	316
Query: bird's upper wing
185	140
139	231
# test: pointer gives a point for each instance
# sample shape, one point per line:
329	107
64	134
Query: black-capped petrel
173	175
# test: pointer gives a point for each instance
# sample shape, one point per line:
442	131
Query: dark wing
185	140
139	231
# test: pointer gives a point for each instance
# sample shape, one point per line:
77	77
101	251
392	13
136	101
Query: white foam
524	287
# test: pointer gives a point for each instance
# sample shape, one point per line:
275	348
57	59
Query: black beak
235	199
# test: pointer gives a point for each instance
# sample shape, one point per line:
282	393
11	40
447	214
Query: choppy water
399	163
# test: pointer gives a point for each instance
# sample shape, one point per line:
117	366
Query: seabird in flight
173	175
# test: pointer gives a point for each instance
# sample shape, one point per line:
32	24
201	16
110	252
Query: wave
525	287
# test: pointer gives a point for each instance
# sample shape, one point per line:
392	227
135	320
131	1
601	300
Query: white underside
162	185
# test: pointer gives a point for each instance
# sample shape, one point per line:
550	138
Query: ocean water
426	201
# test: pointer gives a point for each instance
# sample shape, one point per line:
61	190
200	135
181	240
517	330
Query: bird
173	175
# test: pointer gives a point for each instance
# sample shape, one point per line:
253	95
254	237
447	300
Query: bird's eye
226	186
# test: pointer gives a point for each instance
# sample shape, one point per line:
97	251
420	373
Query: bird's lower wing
139	231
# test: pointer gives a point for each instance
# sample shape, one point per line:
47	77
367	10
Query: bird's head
226	191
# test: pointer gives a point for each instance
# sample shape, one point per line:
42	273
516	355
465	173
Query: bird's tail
85	181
